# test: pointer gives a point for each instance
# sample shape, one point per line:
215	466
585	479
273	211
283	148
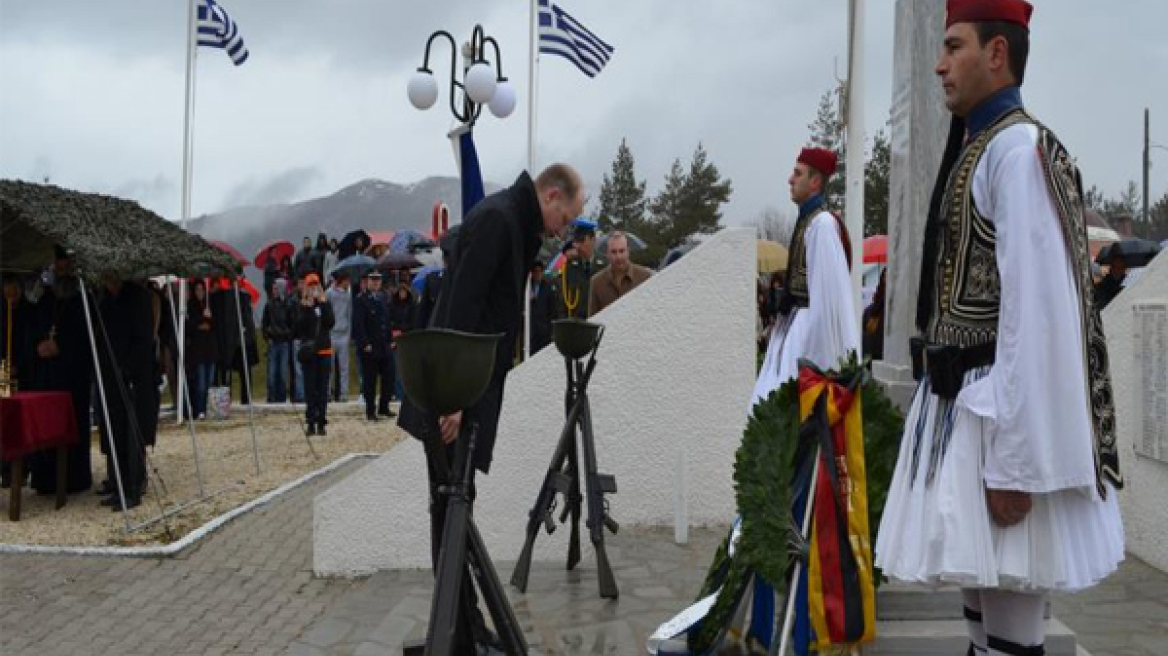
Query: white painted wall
672	384
1144	500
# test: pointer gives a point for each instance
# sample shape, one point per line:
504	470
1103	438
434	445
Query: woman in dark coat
202	348
314	322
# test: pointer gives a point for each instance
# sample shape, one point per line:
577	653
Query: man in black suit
482	293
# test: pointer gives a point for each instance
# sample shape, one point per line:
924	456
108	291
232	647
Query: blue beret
584	223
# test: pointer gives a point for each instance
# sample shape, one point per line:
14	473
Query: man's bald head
561	197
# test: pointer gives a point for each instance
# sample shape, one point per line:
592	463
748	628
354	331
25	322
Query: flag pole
188	146
856	139
532	54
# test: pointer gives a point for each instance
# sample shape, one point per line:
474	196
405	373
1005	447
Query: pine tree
877	186
703	195
667	209
827	131
1157	227
622	197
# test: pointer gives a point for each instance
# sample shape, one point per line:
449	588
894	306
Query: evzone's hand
449	427
1008	507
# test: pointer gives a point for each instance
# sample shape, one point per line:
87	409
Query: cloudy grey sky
91	93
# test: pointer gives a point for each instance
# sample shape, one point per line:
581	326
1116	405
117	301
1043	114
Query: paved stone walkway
249	589
561	613
1125	616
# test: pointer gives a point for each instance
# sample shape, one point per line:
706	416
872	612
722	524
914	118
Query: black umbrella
348	245
407	241
392	260
1135	252
353	266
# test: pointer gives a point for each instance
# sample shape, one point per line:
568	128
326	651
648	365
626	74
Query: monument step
899	601
949	637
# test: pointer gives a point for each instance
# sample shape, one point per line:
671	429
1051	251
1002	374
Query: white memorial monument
669	401
919	126
1136	326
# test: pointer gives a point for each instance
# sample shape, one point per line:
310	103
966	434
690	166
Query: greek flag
216	29
560	34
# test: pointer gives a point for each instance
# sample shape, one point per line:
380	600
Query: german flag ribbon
840	589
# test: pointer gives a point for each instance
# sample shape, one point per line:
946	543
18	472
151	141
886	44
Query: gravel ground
229	477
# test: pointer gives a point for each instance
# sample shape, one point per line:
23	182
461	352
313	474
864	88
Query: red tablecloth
31	421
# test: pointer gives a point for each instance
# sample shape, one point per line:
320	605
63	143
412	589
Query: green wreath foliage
763	468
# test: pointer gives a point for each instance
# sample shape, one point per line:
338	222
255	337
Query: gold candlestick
7	385
8	350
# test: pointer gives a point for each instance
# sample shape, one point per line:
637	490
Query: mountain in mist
370	204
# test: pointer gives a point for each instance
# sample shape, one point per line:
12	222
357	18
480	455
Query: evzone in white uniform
1007	284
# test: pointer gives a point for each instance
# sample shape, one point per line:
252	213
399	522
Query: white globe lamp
480	83
422	89
503	102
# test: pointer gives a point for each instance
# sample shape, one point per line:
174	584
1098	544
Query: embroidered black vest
965	294
796	291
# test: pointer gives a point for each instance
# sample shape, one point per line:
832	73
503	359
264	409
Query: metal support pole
789	614
255	445
184	391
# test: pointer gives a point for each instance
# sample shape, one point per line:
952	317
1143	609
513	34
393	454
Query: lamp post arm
498	57
455	85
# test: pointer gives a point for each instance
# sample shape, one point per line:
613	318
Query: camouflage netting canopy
109	236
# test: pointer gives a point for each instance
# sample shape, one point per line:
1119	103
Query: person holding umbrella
1112	283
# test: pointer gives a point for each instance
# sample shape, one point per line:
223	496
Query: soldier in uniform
576	280
371	335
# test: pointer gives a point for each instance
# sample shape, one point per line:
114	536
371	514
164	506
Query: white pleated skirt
936	528
786	343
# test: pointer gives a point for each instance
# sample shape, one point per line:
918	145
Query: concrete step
949	637
897	601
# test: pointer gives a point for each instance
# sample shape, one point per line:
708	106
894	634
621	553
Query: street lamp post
480	85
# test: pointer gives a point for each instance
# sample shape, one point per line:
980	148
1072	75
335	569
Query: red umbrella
244	286
283	249
230	250
876	249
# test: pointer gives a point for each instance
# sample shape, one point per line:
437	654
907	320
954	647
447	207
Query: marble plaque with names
1150	345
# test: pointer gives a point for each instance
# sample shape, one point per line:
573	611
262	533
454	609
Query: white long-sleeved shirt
1035	395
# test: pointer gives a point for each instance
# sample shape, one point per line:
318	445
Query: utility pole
1147	163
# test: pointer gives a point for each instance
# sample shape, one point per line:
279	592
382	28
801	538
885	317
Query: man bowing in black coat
482	292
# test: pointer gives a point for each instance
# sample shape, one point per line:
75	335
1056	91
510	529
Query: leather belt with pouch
946	366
